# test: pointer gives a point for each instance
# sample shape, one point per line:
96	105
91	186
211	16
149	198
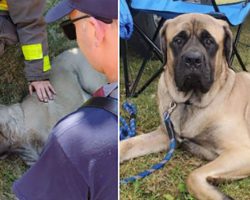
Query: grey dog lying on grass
25	126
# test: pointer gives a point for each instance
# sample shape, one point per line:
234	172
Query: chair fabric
234	12
126	21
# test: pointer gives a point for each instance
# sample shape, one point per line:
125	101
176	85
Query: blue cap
97	8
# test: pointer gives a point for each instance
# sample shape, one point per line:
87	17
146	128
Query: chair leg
235	42
150	42
149	81
152	48
125	67
235	51
237	37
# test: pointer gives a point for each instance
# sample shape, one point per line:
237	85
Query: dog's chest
194	125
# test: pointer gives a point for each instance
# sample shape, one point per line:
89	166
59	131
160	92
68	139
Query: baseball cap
97	8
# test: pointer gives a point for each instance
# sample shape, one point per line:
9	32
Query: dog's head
196	47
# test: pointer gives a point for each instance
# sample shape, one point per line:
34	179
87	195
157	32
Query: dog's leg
228	166
144	144
28	154
198	150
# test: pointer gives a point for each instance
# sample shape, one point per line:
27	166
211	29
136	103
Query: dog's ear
163	41
228	43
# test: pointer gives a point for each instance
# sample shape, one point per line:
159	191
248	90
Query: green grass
169	182
13	88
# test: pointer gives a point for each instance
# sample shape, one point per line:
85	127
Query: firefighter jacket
27	17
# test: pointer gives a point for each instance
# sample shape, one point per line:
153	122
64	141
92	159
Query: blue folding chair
234	13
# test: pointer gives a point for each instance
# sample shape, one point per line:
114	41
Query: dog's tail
11	128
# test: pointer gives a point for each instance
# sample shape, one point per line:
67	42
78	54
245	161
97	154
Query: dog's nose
193	58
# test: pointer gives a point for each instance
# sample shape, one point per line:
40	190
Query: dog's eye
208	41
178	41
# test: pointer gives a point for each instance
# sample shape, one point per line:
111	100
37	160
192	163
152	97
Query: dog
25	126
212	114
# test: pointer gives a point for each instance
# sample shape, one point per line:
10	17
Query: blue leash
128	130
172	145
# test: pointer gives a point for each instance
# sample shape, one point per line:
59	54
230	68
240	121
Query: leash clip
171	107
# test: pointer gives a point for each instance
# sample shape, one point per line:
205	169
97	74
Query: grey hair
11	124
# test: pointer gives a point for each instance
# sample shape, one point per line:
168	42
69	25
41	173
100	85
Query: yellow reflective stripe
32	51
3	8
3	5
46	64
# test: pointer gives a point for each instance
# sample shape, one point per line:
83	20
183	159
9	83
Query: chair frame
131	87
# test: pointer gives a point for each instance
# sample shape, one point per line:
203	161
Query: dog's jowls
212	117
25	126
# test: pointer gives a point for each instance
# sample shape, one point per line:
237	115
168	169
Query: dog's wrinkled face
193	60
195	46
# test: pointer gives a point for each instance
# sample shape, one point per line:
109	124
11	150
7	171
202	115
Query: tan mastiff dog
212	114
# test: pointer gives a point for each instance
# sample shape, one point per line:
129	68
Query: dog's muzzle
193	73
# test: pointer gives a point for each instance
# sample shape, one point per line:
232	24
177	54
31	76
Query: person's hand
44	90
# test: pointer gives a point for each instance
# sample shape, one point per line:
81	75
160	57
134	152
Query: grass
169	182
13	88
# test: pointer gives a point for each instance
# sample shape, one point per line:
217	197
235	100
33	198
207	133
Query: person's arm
27	15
